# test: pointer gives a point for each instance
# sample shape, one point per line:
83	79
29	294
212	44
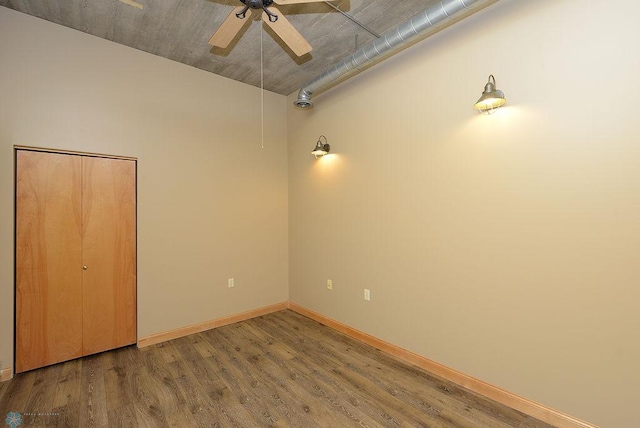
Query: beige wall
506	246
211	203
503	246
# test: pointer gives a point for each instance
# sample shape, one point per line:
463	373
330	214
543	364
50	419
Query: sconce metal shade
321	148
491	98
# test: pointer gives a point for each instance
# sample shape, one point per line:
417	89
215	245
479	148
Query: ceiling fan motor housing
257	4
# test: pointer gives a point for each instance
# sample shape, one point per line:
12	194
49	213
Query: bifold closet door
109	253
75	256
48	259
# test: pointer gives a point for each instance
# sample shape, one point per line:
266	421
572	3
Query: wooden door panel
109	253
48	259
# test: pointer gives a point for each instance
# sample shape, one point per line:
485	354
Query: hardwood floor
278	370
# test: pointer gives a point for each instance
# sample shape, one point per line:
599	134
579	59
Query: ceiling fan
239	17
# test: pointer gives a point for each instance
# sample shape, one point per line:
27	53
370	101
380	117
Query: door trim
73	152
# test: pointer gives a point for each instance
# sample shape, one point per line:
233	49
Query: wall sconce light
491	99
321	148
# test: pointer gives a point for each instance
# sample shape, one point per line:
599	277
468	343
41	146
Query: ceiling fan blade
286	2
287	33
229	28
133	3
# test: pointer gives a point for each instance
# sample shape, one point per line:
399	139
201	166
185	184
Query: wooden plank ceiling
180	30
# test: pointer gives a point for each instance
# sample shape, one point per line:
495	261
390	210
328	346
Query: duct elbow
304	99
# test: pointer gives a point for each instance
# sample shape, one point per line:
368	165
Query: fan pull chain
262	85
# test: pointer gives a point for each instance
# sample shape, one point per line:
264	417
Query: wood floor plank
42	395
17	393
334	382
439	393
207	372
221	395
123	417
269	381
116	384
182	418
137	387
166	350
3	389
146	404
298	383
169	396
461	407
277	370
351	401
67	415
68	385
242	382
196	392
93	402
370	372
196	398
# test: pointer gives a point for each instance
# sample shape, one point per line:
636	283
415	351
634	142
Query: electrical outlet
329	284
367	295
231	283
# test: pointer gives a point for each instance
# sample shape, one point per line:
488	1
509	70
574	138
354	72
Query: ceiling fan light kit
237	20
257	4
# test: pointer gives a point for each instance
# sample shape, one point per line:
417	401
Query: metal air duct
391	42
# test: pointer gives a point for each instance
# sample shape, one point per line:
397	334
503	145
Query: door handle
85	267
